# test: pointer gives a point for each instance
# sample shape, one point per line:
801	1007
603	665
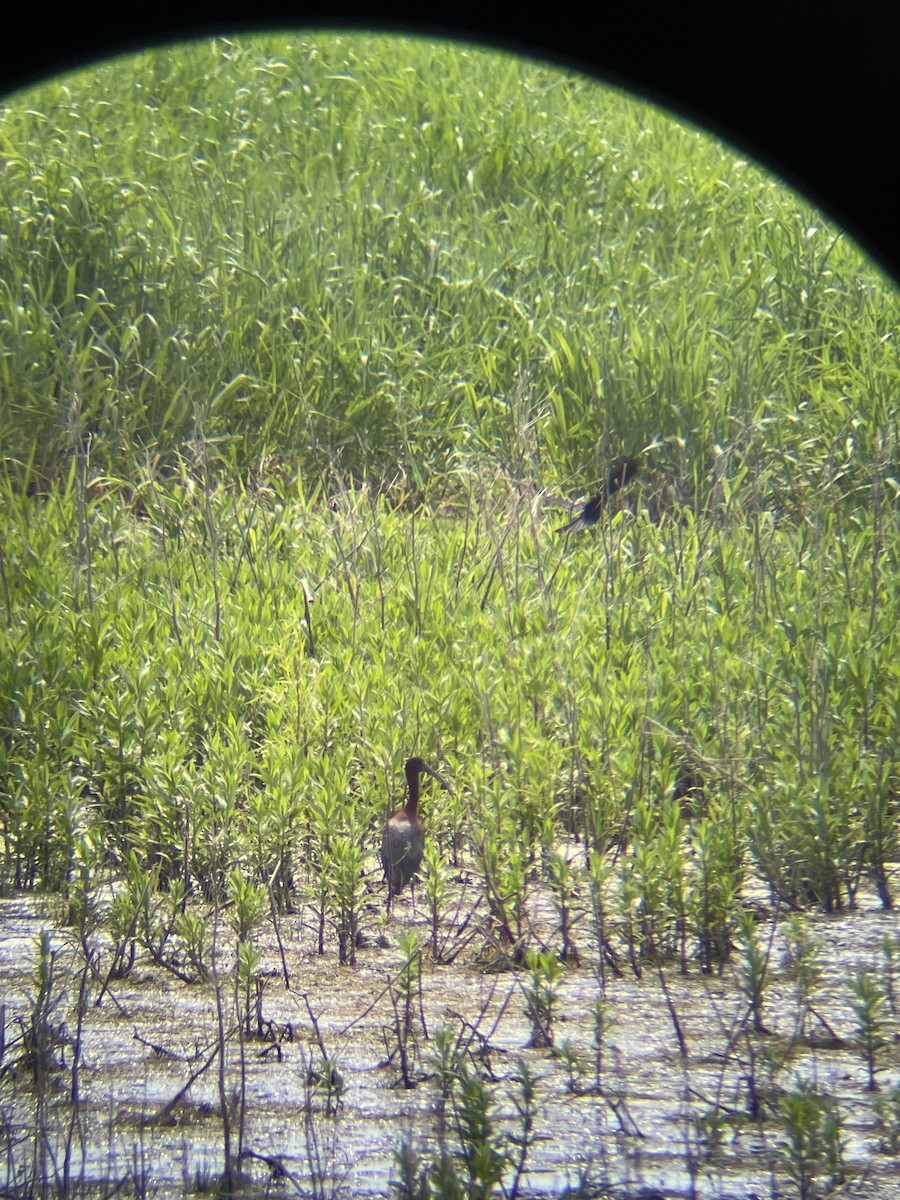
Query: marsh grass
298	247
303	364
199	755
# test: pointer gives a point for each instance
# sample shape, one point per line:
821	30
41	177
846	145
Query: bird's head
416	766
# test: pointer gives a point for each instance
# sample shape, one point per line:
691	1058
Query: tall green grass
383	258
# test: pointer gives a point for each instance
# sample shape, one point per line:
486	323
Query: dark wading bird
404	834
622	471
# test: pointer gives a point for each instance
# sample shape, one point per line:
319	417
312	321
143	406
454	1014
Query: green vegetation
300	358
304	249
215	311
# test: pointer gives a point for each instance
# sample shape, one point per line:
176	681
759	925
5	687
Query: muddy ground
656	1123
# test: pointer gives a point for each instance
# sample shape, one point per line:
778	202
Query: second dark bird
404	835
622	471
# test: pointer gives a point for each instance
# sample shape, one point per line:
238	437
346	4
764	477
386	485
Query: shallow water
641	1135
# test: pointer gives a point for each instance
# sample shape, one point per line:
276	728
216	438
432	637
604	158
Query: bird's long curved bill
441	780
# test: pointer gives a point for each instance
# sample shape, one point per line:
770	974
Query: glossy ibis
622	471
404	834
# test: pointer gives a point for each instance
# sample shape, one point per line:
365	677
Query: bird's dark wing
622	471
588	515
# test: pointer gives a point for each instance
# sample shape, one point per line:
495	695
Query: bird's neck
412	802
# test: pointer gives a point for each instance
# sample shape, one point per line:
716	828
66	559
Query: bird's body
622	471
402	848
404	835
